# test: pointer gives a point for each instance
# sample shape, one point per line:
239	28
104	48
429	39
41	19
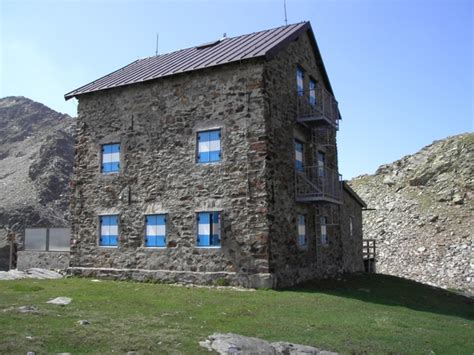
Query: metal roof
258	44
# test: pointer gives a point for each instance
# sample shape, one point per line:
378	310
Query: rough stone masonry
156	122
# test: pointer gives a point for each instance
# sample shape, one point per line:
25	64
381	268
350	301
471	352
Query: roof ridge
264	43
226	39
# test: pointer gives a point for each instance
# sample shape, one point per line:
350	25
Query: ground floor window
108	231
209	229
302	240
155	230
324	229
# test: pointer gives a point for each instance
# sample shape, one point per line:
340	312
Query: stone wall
52	260
156	125
351	242
290	262
253	103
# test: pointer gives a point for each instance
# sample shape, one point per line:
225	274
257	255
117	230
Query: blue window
312	92
155	230
108	231
302	241
110	158
298	155
300	81
324	229
209	146
209	229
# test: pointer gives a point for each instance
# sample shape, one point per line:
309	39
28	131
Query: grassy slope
376	314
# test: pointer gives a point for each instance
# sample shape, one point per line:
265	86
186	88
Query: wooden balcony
318	184
317	107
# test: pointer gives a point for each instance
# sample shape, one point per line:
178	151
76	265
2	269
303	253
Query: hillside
423	214
36	155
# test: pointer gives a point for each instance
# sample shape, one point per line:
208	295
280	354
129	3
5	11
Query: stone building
214	164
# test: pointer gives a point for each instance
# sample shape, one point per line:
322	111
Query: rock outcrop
423	218
36	157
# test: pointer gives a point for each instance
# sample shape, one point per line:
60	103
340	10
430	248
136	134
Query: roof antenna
157	41
284	6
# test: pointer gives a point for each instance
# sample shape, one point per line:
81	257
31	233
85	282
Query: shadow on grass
393	291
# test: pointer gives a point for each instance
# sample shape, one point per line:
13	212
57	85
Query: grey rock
231	343
83	322
36	154
28	309
422	232
61	301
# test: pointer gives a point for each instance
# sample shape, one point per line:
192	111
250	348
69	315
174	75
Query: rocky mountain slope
424	214
36	156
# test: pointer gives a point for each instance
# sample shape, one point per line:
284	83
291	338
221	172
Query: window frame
302	217
211	234
321	164
100	235
310	90
300	70
324	237
198	141
102	153
165	215
351	226
295	144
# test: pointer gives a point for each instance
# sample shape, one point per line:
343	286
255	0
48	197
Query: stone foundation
53	260
261	280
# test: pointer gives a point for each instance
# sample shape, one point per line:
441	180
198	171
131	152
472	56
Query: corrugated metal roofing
227	50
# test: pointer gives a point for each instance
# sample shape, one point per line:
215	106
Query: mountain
36	157
423	218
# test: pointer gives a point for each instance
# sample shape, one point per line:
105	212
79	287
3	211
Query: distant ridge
423	220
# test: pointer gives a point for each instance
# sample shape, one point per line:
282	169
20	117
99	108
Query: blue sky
402	70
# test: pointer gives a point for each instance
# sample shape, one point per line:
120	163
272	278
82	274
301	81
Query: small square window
300	81
209	229
324	230
209	146
302	240
298	155
108	231
155	236
110	158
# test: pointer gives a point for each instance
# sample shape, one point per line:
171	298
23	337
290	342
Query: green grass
367	313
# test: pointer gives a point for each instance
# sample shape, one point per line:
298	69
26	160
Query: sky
402	70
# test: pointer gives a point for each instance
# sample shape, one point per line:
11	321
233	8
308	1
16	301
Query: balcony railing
314	183
318	107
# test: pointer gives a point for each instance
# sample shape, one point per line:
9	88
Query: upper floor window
324	229
298	155
312	92
209	229
321	163
110	158
108	231
300	81
302	240
209	146
155	230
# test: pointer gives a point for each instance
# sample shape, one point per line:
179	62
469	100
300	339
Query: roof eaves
353	194
73	93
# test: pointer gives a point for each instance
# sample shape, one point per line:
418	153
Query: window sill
209	163
210	247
